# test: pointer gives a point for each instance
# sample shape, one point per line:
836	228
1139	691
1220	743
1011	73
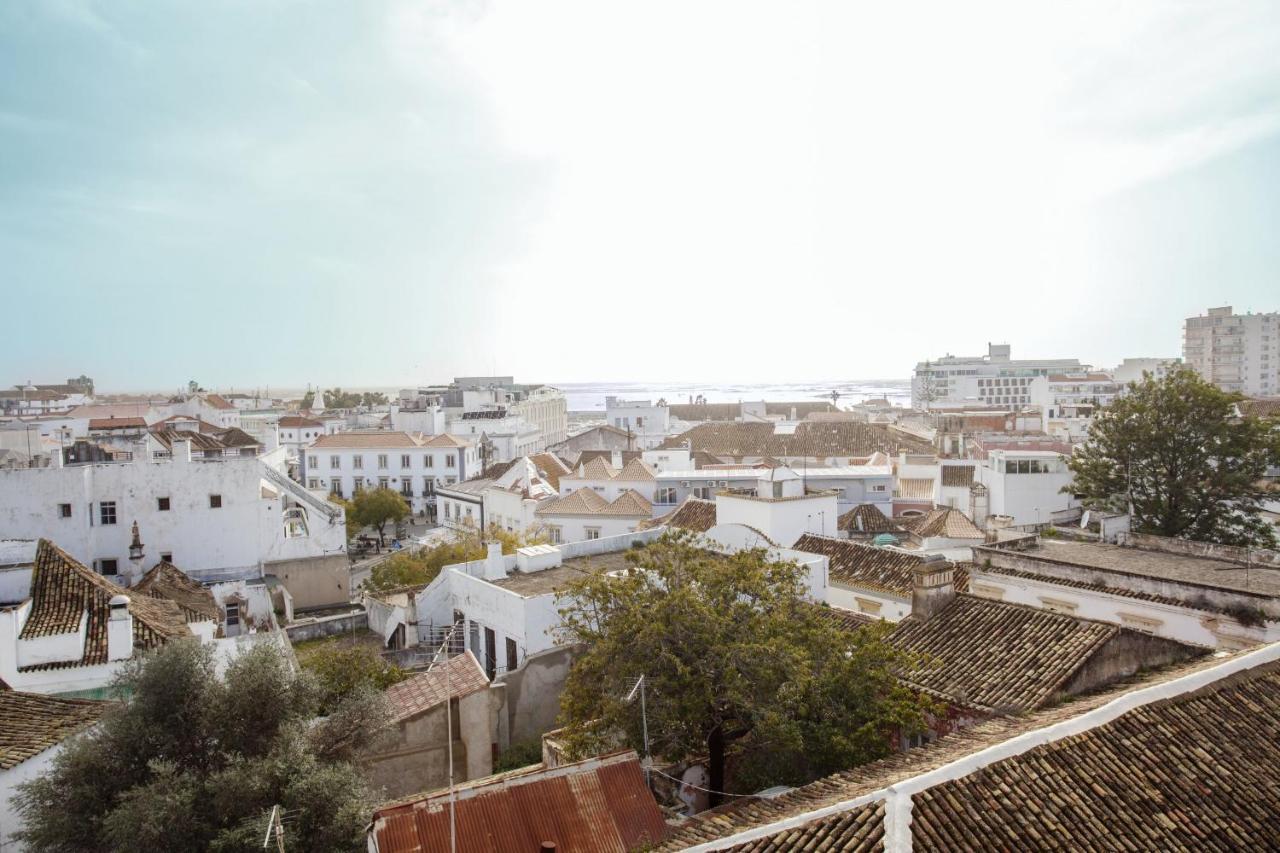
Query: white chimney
615	458
495	568
181	450
141	452
119	629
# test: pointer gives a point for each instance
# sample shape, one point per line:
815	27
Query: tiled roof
992	655
372	438
199	441
729	411
945	522
914	488
579	502
1260	408
957	475
217	401
1195	604
586	456
31	723
600	805
445	440
744	814
550	468
63	589
866	518
296	422
117	423
635	471
459	676
694	514
589	502
596	468
167	581
856	564
856	830
235	437
811	438
846	620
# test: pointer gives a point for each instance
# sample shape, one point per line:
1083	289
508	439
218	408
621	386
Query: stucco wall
1125	654
533	693
327	626
315	581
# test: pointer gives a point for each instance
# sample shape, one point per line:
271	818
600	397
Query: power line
708	790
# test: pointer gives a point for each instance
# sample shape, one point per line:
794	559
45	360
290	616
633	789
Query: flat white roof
17	552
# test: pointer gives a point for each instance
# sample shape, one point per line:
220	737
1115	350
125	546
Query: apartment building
1236	352
994	380
412	464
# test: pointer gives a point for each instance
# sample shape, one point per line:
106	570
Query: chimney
181	450
494	567
978	504
119	629
615	459
141	452
933	586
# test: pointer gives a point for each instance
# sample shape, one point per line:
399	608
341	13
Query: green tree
413	568
375	507
1174	450
344	669
191	761
735	660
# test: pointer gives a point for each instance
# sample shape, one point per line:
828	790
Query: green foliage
374	508
421	567
519	755
735	658
343	669
1194	470
336	398
194	762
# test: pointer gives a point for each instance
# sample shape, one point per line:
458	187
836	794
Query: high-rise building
1236	352
991	381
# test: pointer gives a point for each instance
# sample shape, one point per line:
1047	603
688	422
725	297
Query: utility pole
276	828
644	724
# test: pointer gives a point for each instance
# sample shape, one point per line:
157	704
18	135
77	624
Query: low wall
327	626
1230	553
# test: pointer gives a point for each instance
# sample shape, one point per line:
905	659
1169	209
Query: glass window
382	460
335	462
162	504
428	461
107	512
64	510
593	532
313	462
215	501
404	460
357	462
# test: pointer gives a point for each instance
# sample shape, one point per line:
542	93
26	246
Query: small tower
135	557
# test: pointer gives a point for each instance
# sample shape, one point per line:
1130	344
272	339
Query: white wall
784	521
10	819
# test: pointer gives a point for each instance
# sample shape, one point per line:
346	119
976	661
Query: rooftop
547	581
167	581
811	438
457	677
1141	562
629	504
866	518
855	564
944	522
600	804
694	514
31	723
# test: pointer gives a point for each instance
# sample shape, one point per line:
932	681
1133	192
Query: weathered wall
1123	655
1233	553
315	581
327	626
533	693
416	756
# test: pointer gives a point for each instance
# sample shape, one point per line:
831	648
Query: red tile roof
31	723
459	676
295	422
694	514
600	805
117	423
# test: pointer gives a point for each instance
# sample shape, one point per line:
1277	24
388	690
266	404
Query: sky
272	192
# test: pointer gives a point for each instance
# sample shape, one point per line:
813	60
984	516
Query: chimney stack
933	586
494	567
119	629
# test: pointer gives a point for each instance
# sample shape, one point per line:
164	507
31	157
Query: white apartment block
219	517
346	463
1236	352
1133	369
994	380
648	423
851	484
1068	402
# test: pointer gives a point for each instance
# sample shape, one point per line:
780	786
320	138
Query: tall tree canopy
191	761
735	660
1191	467
374	508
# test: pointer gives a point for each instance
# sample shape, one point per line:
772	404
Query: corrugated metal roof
600	804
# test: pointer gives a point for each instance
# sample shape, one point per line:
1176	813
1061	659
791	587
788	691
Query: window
335	486
109	567
593	532
404	460
233	614
448	511
215	501
162	504
357	462
868	605
313	483
428	461
406	486
448	460
107	512
64	510
357	485
382	461
704	492
383	482
666	495
512	655
554	534
313	462
879	488
335	462
428	486
166	557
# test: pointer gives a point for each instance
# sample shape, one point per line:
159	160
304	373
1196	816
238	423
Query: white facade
509	436
782	519
1068	402
1236	352
345	463
853	484
1132	369
649	423
10	818
994	380
225	517
1025	485
210	408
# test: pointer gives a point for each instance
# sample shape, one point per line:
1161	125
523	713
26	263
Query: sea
590	396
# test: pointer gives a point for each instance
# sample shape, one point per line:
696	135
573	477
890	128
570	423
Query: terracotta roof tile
945	522
167	581
630	503
62	590
635	471
579	502
694	514
297	422
811	438
993	655
31	723
459	676
117	423
957	475
866	518
371	438
596	468
550	468
856	564
914	488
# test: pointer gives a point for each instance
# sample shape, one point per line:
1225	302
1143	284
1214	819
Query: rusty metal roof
600	804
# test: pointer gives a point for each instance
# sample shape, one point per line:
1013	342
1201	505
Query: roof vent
119	605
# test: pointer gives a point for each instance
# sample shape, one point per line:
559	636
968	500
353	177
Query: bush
342	669
519	755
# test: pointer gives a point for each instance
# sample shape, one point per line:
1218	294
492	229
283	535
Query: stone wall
1125	654
315	581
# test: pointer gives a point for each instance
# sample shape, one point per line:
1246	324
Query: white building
584	514
993	380
220	517
1025	485
414	465
506	435
1068	402
1236	352
1133	369
852	484
610	481
649	423
297	432
212	408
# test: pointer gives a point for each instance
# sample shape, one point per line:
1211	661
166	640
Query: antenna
444	649
644	723
274	827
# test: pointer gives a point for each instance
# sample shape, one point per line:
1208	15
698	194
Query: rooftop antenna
644	723
444	650
274	827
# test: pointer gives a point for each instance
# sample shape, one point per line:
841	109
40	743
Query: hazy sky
381	193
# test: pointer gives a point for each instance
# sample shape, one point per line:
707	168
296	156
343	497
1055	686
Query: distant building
1236	352
414	465
1068	401
993	380
649	422
1132	369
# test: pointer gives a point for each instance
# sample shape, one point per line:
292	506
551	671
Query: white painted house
650	424
414	465
1025	485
